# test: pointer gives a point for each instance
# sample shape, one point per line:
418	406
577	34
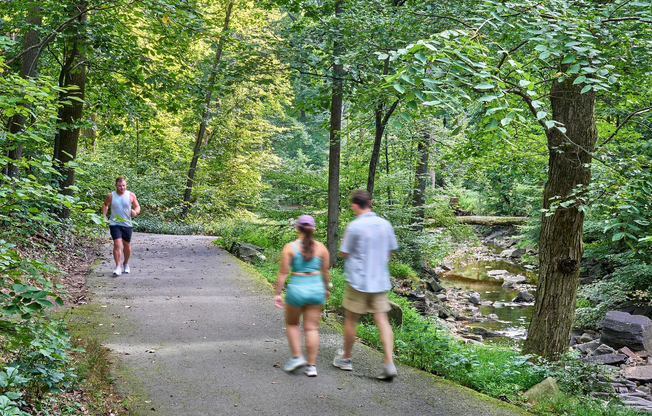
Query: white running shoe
389	372
294	363
310	370
117	271
342	363
126	269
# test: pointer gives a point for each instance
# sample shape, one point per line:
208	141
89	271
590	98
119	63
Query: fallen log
478	220
484	220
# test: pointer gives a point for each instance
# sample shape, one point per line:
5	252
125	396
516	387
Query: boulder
496	273
433	284
484	332
642	373
492	317
474	298
629	353
588	347
603	349
513	279
523	296
621	329
545	390
447	265
245	251
607	359
513	253
442	298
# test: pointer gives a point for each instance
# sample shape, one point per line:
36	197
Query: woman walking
307	290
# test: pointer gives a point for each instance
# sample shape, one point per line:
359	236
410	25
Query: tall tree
206	113
17	122
551	60
334	147
73	78
420	179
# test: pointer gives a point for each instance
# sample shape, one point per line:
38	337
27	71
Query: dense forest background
232	117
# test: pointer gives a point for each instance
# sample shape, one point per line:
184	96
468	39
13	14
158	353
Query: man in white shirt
124	206
367	245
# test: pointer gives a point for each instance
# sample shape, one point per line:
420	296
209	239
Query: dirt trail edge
198	334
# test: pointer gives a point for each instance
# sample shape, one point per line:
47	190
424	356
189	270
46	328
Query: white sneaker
126	269
117	271
342	363
389	372
294	363
310	370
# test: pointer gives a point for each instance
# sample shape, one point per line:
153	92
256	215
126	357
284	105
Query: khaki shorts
360	302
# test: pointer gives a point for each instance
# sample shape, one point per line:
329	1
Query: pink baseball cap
306	221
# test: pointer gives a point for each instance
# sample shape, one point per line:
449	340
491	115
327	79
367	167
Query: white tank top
121	205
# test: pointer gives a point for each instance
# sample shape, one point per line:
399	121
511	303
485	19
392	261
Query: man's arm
106	204
134	201
344	247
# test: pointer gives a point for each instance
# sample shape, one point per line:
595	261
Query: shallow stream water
513	318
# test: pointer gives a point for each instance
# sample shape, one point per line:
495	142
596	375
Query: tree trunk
421	179
389	188
560	243
73	74
381	123
205	114
334	150
16	123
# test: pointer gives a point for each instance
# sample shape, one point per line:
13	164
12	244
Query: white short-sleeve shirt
368	241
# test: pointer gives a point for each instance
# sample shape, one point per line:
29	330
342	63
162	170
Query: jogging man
124	206
367	245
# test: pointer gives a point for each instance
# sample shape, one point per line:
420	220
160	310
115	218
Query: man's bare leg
117	251
386	336
127	251
350	331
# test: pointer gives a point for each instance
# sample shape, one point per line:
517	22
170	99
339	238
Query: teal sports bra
301	265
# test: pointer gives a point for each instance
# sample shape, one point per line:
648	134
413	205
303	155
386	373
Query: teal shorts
305	290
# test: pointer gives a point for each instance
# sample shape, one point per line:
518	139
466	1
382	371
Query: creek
513	318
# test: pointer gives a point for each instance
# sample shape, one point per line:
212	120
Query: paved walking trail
196	333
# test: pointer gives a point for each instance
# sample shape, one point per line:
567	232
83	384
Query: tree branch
463	23
60	29
635	113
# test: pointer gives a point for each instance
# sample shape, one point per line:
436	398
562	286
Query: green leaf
484	86
398	87
579	80
617	236
421	57
568	58
585	89
541	114
413	105
573	69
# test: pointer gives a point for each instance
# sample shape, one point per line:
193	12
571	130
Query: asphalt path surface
195	332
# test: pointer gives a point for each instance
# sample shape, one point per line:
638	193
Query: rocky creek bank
462	308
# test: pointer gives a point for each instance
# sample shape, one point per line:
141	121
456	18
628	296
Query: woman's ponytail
308	242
